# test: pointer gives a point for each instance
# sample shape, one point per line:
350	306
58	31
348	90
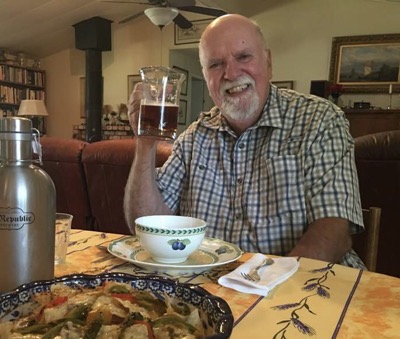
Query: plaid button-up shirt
262	189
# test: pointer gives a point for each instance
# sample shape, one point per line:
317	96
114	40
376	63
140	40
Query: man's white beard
240	108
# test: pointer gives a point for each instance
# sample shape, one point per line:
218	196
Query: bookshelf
18	83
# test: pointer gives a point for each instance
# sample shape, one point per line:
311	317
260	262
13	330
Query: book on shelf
22	76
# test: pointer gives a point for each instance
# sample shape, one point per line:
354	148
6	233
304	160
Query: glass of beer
159	107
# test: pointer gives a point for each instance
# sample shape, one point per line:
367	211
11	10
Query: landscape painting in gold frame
366	63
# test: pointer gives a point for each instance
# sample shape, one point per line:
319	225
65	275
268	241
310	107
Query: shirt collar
272	111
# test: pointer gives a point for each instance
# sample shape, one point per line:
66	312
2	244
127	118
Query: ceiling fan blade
179	3
203	10
132	17
126	2
182	22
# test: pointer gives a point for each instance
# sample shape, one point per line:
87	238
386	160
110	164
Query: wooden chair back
366	243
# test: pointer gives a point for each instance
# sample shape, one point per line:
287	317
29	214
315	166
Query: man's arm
142	196
326	239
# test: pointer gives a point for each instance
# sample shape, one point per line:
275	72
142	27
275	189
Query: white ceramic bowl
170	238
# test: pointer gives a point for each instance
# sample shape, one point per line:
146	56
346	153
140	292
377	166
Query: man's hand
133	113
134	106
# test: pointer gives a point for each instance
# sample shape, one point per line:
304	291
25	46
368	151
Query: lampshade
161	16
32	108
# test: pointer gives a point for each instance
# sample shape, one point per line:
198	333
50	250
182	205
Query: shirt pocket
207	175
281	188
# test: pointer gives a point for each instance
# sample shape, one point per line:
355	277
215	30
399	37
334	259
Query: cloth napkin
271	275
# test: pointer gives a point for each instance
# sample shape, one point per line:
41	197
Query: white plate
211	253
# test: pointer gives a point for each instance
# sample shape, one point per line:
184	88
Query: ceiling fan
179	5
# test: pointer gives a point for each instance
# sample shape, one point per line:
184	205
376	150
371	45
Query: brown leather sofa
62	160
90	179
107	165
378	166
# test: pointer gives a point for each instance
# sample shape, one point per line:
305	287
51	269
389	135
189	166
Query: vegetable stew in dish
115	301
112	310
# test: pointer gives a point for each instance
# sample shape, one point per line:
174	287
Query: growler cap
15	139
15	128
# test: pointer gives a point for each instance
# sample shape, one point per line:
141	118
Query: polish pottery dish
170	238
214	318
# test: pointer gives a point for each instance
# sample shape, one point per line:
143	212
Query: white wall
299	33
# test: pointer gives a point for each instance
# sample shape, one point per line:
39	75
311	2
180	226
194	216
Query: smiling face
237	67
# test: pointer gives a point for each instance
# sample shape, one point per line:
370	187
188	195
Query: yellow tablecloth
320	300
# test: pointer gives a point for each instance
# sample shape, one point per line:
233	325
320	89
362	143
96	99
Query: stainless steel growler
27	208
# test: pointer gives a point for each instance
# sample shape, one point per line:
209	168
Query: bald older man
269	169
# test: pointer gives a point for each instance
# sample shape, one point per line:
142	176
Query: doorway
197	96
201	100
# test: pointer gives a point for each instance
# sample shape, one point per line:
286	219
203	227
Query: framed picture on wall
366	63
132	81
284	84
182	112
191	35
82	91
184	88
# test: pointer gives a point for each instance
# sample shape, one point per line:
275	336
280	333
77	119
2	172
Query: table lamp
34	109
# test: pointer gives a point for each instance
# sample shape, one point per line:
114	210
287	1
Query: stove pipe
93	36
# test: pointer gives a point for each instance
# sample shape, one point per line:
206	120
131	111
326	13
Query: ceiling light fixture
161	16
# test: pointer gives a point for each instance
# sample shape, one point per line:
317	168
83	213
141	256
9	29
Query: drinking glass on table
159	107
63	230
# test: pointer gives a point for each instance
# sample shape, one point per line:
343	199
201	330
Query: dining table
320	300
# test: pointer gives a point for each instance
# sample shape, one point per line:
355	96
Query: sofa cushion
107	164
62	161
